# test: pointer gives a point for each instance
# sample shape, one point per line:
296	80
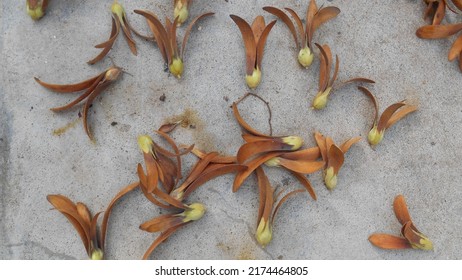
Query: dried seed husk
218	159
403	111
258	25
457	3
310	13
106	46
81	97
281	202
374	102
261	44
305	154
162	223
301	30
438	31
306	183
244	124
249	43
111	205
69	210
213	171
401	210
266	195
70	87
388	114
417	239
252	149
251	166
335	158
321	142
324	15
347	144
160	34
282	16
456	49
301	166
188	32
439	13
390	242
324	67
197	170
162	237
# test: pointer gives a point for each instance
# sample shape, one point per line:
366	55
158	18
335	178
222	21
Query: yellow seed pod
97	255
194	212
112	74
145	143
36	8
320	101
118	10
330	178
181	11
305	57
274	162
264	233
295	141
176	67
253	80
375	137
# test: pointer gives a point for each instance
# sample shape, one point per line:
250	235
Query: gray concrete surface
419	157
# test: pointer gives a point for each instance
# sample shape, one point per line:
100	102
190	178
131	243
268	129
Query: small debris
114	123
162	97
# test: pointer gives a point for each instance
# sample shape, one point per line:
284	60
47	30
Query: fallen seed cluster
161	179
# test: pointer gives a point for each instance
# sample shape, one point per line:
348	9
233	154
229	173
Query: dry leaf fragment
93	87
166	39
389	117
254	41
36	8
314	19
412	237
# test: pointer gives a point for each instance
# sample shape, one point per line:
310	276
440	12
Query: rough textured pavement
419	157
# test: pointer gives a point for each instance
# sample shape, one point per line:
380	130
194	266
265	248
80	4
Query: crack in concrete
250	232
46	250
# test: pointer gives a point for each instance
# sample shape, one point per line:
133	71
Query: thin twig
264	101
